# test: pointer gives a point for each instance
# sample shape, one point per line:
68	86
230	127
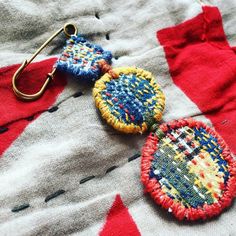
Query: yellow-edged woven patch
132	102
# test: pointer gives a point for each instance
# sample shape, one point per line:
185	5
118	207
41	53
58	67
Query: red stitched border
154	188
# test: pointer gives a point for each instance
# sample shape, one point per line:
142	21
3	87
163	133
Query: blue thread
80	58
128	98
177	174
170	176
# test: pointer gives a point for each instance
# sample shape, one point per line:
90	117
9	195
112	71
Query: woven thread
81	58
188	169
129	99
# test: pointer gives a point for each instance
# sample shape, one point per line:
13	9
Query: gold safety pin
67	28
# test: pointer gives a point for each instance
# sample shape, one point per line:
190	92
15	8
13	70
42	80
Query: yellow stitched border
100	85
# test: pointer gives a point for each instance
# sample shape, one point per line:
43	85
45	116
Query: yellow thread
100	85
110	102
211	175
126	117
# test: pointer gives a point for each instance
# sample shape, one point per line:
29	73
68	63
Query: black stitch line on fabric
107	36
135	156
3	129
97	15
30	118
78	94
53	109
34	114
20	207
61	191
54	195
86	179
23	118
64	100
111	169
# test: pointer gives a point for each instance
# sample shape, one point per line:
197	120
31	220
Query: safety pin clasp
30	97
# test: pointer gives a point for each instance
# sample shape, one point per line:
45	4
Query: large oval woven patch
131	101
188	169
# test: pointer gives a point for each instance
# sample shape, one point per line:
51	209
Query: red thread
203	176
153	187
106	68
132	117
194	162
121	106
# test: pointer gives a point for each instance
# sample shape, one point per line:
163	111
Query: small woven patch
129	99
188	169
81	58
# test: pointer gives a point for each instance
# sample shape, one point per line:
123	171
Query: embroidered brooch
129	99
188	170
82	59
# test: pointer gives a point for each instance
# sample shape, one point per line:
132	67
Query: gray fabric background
59	149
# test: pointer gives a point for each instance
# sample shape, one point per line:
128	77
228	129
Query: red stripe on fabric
119	222
202	63
14	112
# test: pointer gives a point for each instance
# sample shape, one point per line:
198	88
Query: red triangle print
15	114
119	222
